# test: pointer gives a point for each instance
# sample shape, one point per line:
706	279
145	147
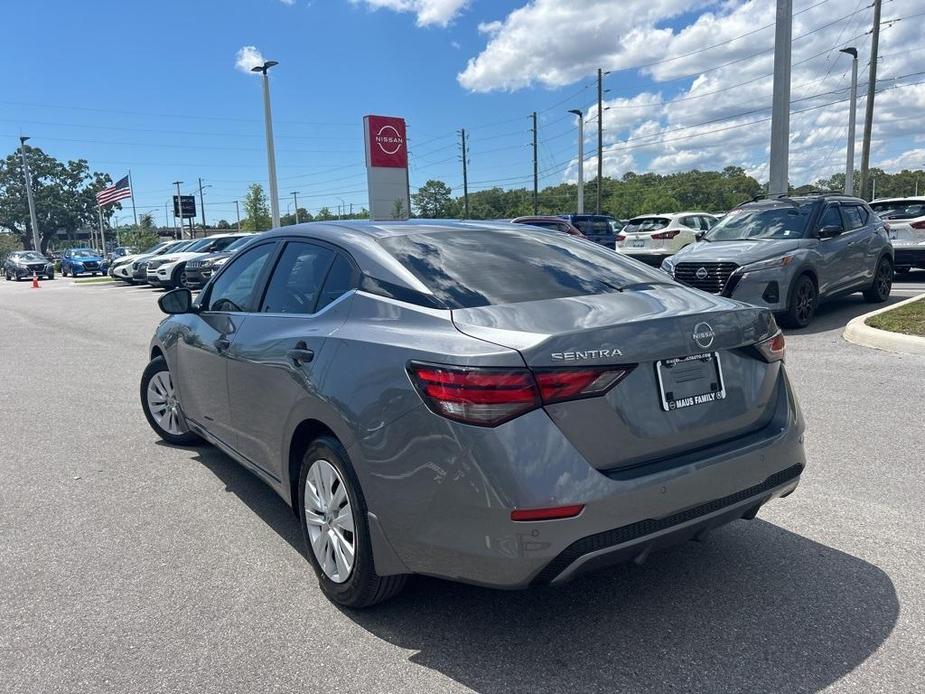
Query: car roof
917	198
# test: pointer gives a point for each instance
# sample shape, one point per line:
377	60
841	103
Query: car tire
879	290
362	586
802	305
51	275
170	426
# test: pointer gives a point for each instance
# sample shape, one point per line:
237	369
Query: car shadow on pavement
835	313
755	608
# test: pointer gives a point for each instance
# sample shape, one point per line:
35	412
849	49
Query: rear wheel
332	511
802	306
879	290
160	404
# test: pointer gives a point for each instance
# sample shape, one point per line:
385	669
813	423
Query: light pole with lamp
295	199
581	159
33	218
202	206
849	162
178	211
268	123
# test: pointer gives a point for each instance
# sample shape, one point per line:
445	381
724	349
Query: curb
859	333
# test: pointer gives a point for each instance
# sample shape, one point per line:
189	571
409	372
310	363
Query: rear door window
852	215
342	277
297	278
465	269
601	227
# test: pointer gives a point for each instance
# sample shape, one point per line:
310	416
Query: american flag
119	191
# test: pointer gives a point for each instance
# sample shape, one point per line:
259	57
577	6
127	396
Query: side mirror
699	235
176	301
830	231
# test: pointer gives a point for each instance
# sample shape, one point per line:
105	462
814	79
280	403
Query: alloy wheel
163	404
884	279
805	300
329	520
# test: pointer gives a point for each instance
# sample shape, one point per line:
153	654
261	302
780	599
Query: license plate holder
689	381
637	243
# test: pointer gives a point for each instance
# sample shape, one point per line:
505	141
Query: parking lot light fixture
268	124
33	218
852	110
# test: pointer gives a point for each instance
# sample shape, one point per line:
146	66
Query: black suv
600	228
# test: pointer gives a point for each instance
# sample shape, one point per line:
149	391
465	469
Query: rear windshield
778	222
899	209
646	224
465	269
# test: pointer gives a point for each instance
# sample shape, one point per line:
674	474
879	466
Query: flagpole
102	233
132	188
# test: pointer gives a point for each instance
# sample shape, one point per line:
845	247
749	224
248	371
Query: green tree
256	209
8	244
222	224
434	200
324	214
65	196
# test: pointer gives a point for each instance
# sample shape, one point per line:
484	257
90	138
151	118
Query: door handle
301	354
221	344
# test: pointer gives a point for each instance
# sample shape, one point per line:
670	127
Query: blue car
75	261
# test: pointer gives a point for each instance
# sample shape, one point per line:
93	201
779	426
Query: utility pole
202	208
178	211
600	136
33	218
779	183
295	199
166	215
465	157
581	159
849	162
536	180
871	90
237	209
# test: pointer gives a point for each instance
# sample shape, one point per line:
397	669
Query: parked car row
185	263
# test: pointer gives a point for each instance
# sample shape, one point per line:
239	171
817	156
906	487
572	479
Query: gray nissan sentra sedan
494	404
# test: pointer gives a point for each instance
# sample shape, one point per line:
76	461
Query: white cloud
709	107
248	57
288	2
439	12
910	159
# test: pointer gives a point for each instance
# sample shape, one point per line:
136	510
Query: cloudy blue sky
163	88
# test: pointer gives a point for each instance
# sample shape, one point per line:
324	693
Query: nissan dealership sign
387	167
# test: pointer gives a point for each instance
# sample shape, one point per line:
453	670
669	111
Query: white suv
653	237
167	270
906	219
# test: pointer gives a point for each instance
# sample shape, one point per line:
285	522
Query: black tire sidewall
155	366
791	317
352	591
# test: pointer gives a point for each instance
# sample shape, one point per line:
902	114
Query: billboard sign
188	205
387	167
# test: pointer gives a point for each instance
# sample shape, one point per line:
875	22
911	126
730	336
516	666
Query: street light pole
581	159
33	219
295	199
271	155
202	208
178	211
237	209
849	162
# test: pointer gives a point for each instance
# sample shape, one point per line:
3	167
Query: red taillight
557	385
663	235
918	225
620	238
491	396
773	348
540	514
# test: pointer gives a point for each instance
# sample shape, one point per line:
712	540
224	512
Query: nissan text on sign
386	167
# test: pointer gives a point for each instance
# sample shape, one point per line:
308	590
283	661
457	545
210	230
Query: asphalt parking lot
128	565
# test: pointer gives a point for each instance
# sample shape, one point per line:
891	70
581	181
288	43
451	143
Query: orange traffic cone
35	281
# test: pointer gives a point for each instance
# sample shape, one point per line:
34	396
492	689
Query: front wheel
802	306
51	275
332	511
160	404
879	290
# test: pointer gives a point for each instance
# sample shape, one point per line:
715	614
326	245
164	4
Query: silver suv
790	253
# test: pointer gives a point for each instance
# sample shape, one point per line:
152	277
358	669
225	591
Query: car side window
342	277
296	281
831	218
233	289
690	222
601	227
852	215
707	222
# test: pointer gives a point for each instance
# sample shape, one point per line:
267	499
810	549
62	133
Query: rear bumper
653	257
909	256
447	511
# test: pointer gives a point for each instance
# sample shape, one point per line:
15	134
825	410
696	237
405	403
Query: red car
550	222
